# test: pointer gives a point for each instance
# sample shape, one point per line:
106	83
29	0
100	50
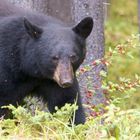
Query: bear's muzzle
63	74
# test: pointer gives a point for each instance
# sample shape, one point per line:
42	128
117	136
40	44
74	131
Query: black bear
40	54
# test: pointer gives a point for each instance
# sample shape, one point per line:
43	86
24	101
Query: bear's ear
34	31
84	28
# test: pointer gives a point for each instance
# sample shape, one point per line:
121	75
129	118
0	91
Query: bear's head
58	50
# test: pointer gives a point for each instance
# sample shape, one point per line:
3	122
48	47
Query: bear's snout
63	74
66	80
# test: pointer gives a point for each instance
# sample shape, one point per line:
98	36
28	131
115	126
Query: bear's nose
66	84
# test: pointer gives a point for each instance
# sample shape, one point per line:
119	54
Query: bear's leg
5	100
57	96
14	94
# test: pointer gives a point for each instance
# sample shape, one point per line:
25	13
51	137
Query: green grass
121	25
121	118
115	124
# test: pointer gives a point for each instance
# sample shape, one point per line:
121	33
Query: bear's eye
73	58
55	59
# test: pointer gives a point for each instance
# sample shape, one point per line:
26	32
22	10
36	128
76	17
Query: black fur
28	43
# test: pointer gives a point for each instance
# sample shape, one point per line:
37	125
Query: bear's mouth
63	75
